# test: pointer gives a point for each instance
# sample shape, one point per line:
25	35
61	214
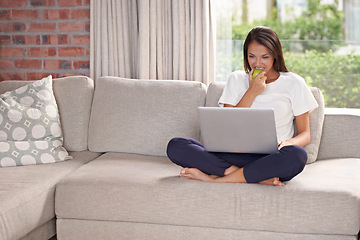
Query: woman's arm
246	101
303	128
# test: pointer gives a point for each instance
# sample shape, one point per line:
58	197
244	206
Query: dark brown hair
268	38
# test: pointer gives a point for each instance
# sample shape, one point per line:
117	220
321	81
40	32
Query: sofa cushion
30	129
141	116
340	123
316	116
323	199
27	194
74	98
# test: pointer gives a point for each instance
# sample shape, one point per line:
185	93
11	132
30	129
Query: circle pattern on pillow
30	128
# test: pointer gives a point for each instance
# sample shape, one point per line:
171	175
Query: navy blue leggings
284	164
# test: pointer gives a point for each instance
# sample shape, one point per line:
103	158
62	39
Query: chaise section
27	195
118	190
43	232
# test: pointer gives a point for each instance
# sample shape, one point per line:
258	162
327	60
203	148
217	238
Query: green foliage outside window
318	22
338	77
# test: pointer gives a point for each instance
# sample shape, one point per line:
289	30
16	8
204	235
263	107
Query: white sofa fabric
141	116
139	189
27	193
144	231
129	189
74	97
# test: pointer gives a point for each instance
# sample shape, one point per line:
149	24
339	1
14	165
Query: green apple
256	72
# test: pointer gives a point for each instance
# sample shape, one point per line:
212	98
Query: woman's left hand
285	143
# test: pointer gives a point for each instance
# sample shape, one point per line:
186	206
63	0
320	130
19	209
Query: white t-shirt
289	96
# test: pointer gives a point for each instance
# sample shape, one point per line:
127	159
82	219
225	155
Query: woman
274	87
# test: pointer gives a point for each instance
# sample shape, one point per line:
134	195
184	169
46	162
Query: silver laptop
238	130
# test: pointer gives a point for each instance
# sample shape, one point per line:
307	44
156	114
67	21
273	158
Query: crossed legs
201	165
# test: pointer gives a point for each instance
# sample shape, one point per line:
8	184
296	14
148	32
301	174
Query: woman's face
260	57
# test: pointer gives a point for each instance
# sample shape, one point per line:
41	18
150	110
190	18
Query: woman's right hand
258	84
256	87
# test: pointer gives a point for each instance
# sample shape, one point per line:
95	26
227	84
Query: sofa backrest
141	116
316	116
74	98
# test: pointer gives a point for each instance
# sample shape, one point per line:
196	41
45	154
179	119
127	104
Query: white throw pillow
30	129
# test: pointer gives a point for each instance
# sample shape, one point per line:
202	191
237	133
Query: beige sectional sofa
121	185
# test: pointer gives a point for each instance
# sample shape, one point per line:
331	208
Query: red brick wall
42	37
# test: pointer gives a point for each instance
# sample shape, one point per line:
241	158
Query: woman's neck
272	76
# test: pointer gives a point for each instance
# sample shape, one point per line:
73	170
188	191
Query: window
321	42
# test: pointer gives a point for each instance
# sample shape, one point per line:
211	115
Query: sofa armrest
340	135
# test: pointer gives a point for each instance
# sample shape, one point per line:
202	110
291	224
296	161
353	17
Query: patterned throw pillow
30	129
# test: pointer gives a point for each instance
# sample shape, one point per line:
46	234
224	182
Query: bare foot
230	170
196	174
213	176
272	182
227	171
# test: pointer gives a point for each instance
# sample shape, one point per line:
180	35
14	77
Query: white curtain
152	39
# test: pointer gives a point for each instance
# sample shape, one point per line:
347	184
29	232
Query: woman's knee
300	154
173	146
297	155
178	148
